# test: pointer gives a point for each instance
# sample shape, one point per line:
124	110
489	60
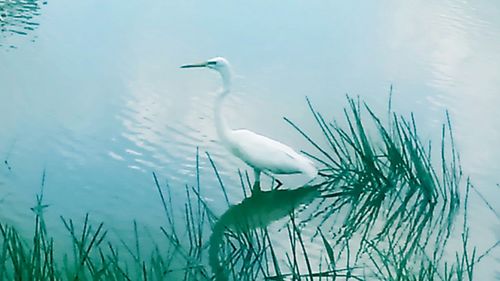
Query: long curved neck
221	126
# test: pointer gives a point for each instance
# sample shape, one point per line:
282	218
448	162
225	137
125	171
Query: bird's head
219	64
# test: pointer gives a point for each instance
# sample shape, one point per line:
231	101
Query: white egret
263	154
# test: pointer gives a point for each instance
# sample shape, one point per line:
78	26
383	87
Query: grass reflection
388	184
381	212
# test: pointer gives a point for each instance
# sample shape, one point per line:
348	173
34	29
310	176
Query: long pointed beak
203	64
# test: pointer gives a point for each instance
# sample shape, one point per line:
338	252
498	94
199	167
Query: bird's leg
256	185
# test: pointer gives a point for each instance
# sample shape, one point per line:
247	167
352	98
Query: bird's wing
266	154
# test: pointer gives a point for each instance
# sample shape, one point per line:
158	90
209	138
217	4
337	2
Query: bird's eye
212	63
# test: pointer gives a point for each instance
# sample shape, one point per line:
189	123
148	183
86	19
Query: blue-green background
93	94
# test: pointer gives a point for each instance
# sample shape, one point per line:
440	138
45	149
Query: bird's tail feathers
310	170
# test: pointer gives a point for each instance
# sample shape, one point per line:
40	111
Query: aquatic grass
241	248
398	265
385	174
380	194
96	256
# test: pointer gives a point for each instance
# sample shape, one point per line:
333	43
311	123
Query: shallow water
91	93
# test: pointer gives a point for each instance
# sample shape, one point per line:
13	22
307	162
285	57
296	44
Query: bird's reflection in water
243	228
17	18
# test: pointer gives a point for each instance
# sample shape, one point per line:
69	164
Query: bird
263	154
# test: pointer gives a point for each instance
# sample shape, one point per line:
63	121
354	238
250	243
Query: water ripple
17	18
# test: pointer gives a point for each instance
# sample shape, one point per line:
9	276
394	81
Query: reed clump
381	212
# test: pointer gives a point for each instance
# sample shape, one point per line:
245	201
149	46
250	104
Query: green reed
381	212
388	184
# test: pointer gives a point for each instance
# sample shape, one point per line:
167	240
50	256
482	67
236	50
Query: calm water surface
91	92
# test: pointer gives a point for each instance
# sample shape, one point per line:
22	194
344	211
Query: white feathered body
268	155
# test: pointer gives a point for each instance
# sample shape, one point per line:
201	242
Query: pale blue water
92	93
